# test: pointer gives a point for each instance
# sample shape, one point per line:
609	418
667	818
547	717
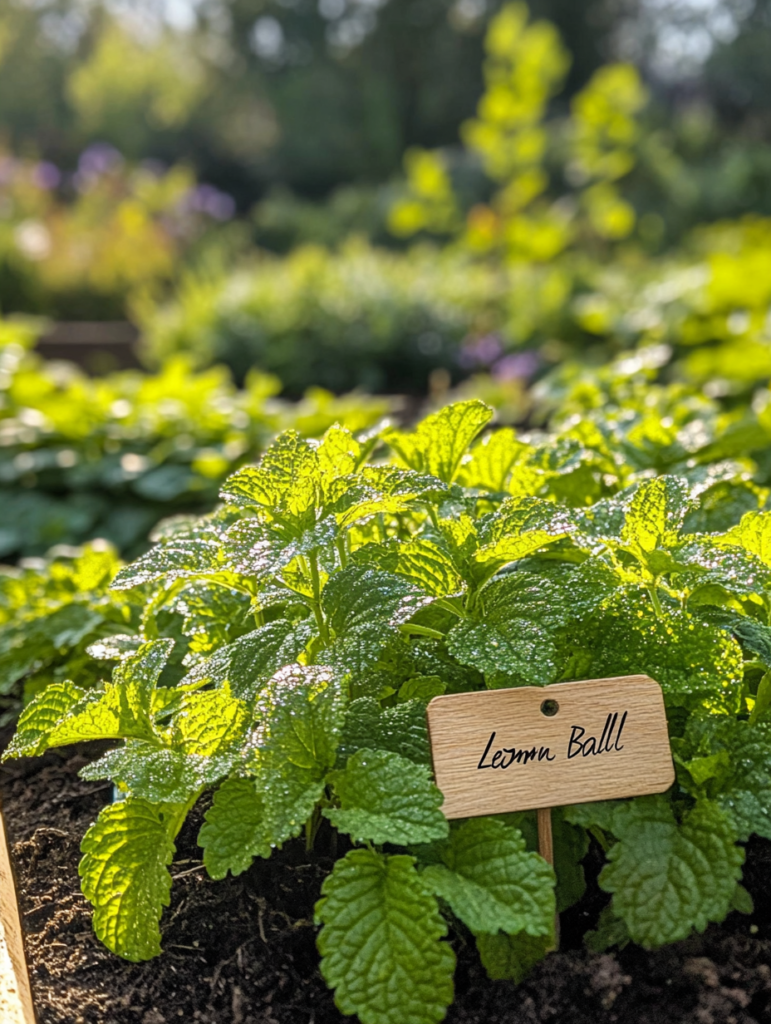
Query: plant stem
762	698
342	552
313	563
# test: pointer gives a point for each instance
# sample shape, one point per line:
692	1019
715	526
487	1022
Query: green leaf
423	563
39	719
519	527
157	774
492	882
491	460
733	761
234	829
737	572
358	597
137	676
339	453
666	878
440	441
380	941
610	931
511	637
401	729
693	662
174	560
753	534
512	957
506	651
301	713
742	901
209	723
250	661
124	874
656	513
286	480
122	709
385	798
422	688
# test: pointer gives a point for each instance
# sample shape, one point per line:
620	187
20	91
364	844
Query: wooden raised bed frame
15	993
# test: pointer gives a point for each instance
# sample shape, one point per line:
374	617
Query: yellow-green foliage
513	136
83	457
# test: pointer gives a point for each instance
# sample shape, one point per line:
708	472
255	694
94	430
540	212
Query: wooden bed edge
16	1006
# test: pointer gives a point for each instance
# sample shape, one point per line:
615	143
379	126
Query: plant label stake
534	748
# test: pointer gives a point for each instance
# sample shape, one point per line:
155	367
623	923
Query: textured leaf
520	527
137	676
385	798
250	661
656	513
301	713
737	756
209	723
401	729
357	597
286	480
492	882
753	534
253	549
156	773
420	561
505	651
171	561
440	441
422	688
668	879
692	661
124	874
40	718
209	612
512	957
380	941
736	571
234	829
491	460
339	453
754	636
511	639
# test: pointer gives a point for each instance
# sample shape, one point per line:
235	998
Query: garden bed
243	951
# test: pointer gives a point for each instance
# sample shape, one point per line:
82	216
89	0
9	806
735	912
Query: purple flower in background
46	175
480	351
520	365
94	161
209	200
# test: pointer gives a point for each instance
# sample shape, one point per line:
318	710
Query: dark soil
243	951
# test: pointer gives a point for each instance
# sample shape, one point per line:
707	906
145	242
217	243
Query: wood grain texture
15	993
580	754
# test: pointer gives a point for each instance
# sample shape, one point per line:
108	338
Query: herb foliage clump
290	641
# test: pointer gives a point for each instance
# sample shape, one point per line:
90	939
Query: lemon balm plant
289	644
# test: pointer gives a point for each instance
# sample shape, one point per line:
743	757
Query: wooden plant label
539	747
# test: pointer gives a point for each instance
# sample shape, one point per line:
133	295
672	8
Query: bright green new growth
281	652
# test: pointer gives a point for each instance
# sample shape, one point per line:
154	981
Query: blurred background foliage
394	195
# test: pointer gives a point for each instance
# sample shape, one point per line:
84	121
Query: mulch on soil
243	951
